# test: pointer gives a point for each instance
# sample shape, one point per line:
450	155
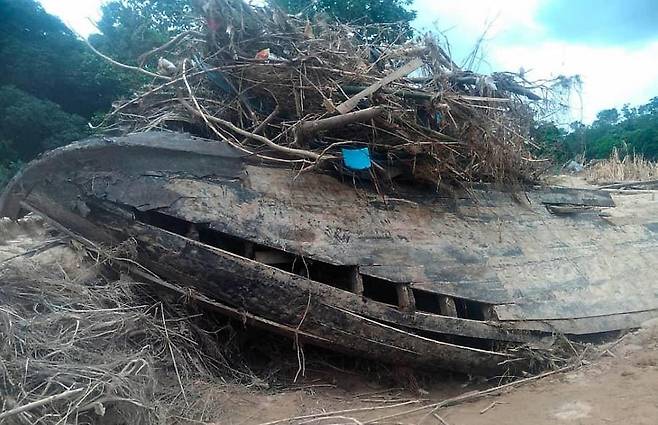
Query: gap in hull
339	277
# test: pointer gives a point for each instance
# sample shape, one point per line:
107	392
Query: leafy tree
41	56
634	130
356	11
550	140
606	117
50	84
7	167
628	112
651	108
29	125
131	27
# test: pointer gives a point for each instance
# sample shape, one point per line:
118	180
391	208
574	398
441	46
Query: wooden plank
394	273
406	69
569	196
587	325
447	306
569	209
356	281
486	291
644	183
406	300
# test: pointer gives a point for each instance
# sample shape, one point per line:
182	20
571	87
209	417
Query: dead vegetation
77	345
293	92
620	168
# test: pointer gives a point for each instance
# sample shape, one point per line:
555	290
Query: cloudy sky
612	44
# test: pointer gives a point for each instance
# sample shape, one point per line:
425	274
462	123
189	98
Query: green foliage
132	27
550	140
50	84
29	125
606	117
356	11
631	130
41	56
8	162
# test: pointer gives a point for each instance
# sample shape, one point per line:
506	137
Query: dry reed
621	168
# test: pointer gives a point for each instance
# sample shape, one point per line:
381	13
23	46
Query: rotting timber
439	281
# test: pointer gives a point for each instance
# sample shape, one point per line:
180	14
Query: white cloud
611	76
78	15
465	22
472	16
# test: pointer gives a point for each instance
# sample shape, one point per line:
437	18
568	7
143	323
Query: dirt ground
620	387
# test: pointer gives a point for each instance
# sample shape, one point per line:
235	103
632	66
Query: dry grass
632	167
79	344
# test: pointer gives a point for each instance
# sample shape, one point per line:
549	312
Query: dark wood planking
145	154
569	196
463	264
359	305
462	273
270	292
494	249
588	325
424	321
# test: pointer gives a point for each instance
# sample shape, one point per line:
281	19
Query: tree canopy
50	84
30	125
629	130
40	55
131	27
356	11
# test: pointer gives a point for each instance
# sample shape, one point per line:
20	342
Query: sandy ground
623	389
620	387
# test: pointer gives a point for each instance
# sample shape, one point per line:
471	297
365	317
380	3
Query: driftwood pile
295	92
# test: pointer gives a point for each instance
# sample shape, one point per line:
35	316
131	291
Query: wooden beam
408	68
339	121
447	306
406	300
356	281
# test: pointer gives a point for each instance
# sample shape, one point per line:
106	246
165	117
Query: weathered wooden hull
436	280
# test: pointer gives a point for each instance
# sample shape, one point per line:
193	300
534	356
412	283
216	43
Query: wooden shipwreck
441	281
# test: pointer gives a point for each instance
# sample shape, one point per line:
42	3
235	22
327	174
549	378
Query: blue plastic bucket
357	159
